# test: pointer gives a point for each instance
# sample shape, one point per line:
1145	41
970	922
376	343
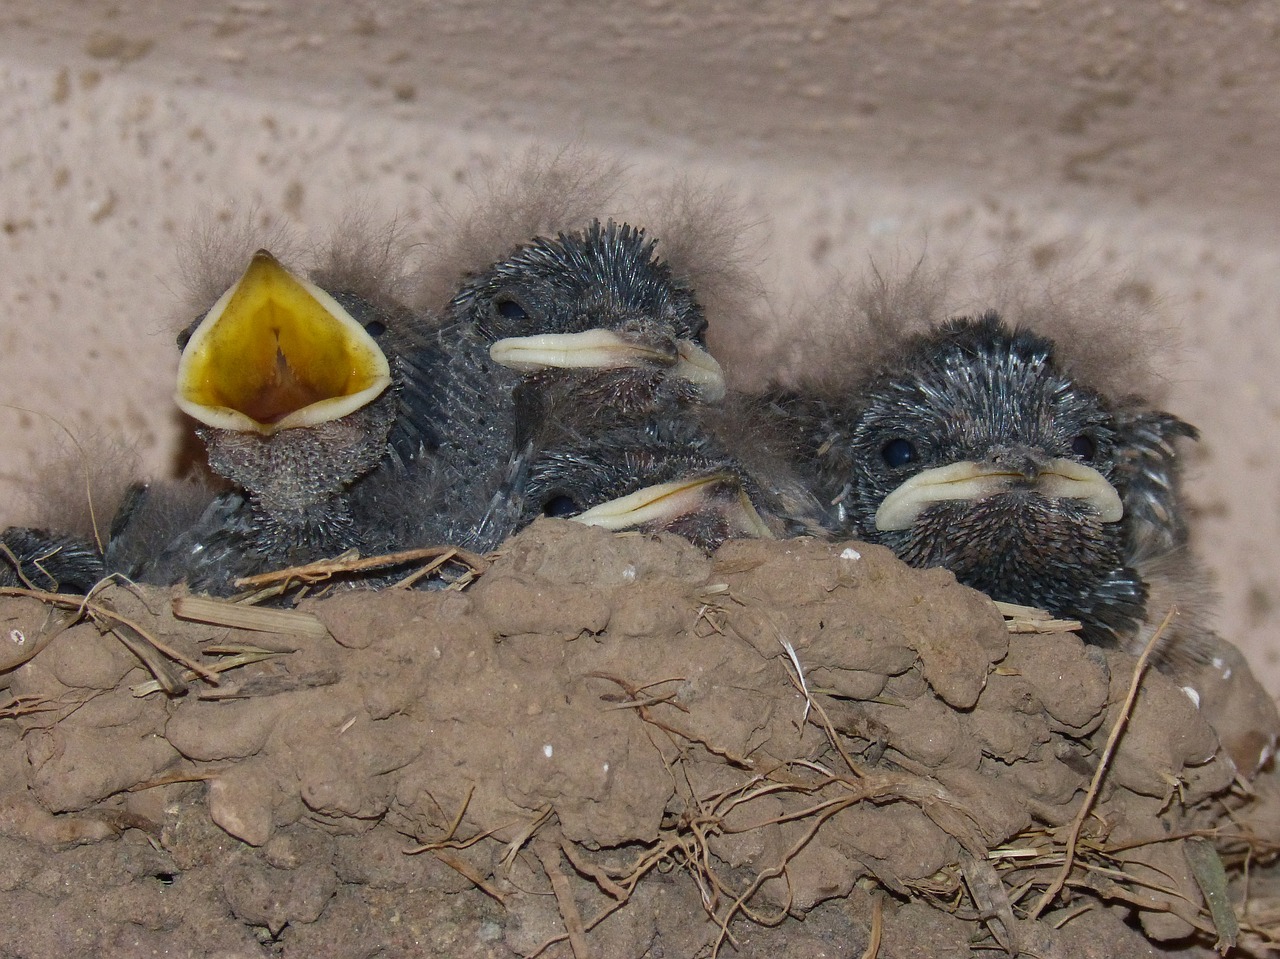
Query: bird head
977	451
596	311
289	383
668	477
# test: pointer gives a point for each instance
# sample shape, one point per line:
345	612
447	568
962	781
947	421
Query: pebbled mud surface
615	746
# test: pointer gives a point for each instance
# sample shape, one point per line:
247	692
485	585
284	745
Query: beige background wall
1145	133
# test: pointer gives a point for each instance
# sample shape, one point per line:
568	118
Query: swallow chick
979	448
705	500
682	473
294	378
583	313
554	269
616	333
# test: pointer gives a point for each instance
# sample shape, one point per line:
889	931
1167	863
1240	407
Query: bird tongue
601	349
662	504
282	393
277	352
967	480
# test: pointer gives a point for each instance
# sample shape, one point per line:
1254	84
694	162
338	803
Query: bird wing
503	513
39	559
1149	474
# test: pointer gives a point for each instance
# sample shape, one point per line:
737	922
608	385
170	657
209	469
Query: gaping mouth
664	503
277	352
606	350
1058	479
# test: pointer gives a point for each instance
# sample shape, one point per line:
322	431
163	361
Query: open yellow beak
277	352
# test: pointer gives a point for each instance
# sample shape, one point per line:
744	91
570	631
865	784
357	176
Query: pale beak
664	503
967	480
606	350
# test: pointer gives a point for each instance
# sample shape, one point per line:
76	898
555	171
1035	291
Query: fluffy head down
1107	339
80	484
699	232
675	475
361	256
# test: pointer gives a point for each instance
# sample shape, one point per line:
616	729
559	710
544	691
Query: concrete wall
1144	133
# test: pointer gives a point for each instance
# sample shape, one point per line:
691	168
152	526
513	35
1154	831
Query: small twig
17	565
428	569
192	776
1103	765
208	675
549	856
449	833
464	868
877	928
1019	611
834	738
327	568
217	612
989	895
1032	619
1044	626
643	712
136	642
777	869
523	835
799	677
25	705
245	656
597	875
1063	920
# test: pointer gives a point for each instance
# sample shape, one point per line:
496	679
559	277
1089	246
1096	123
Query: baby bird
293	395
1032	469
602	303
571	312
978	448
295	379
682	473
592	320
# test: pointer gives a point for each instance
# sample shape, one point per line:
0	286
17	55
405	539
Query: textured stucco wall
1144	133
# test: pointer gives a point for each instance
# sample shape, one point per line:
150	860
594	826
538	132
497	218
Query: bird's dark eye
1084	448
375	328
561	506
898	452
509	308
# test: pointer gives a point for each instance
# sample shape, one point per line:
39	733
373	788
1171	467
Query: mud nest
615	746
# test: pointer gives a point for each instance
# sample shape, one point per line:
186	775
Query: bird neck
288	535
